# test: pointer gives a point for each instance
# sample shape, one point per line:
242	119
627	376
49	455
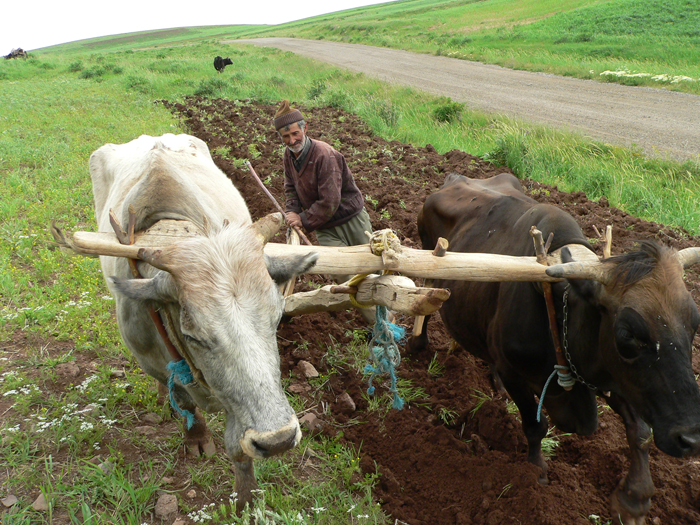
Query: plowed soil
469	468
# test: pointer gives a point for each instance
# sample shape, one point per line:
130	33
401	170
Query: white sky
41	23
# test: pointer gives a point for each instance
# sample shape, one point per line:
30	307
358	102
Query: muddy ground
472	471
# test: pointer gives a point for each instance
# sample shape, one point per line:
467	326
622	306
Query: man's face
293	138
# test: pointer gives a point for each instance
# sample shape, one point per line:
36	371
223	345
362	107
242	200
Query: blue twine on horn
385	355
180	370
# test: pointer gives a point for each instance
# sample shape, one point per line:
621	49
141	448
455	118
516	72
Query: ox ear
282	269
160	288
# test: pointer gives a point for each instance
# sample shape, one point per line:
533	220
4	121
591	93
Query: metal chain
565	341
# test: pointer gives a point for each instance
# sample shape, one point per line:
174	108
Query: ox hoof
198	440
200	446
629	512
415	345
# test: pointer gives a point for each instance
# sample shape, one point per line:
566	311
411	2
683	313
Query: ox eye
192	340
631	334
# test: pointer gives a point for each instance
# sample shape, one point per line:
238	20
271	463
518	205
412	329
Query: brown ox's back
491	216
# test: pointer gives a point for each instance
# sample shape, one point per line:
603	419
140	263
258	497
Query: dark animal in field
17	53
627	327
217	294
221	63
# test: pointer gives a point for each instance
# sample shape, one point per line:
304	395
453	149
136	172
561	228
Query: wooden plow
397	292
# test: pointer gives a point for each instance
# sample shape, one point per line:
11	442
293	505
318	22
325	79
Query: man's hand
293	219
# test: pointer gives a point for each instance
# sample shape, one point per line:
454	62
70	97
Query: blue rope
385	355
565	380
180	370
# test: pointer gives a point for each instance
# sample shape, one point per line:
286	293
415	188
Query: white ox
215	293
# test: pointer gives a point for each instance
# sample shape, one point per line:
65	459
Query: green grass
66	101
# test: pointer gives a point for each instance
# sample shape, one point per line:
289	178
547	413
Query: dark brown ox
220	63
628	333
217	294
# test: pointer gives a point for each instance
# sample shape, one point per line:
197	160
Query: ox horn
157	257
268	226
593	270
689	256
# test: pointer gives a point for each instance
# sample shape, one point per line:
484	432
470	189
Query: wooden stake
439	251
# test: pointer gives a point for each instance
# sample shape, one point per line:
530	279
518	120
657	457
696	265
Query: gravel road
663	123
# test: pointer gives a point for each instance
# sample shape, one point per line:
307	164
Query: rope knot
385	243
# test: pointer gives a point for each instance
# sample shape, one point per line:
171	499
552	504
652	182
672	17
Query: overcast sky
41	23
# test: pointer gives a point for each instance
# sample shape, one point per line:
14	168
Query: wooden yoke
439	251
541	250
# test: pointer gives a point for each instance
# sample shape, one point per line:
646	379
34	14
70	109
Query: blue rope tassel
180	370
385	354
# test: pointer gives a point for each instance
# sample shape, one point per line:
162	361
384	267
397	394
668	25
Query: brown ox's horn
593	270
268	226
689	256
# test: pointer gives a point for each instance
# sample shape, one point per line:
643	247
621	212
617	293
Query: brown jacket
323	192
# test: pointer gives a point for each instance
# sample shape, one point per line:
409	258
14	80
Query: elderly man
320	191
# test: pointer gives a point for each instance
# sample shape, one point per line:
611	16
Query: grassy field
65	102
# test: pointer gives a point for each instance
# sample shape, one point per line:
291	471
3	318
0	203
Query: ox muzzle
680	442
259	445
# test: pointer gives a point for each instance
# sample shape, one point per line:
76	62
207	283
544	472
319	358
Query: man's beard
298	147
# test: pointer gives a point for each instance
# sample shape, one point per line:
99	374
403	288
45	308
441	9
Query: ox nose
686	440
265	444
271	447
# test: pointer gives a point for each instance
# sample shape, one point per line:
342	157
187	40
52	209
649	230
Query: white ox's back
172	176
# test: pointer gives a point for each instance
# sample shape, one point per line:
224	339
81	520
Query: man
320	191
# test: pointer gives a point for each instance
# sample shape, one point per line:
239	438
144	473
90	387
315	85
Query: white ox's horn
157	257
268	226
594	270
689	256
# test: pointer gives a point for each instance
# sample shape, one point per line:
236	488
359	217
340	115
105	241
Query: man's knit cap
286	115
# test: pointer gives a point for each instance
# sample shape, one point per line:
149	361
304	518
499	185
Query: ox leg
244	483
416	343
198	439
632	498
534	431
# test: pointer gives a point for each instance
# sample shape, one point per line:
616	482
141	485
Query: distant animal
217	294
221	63
16	53
628	334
